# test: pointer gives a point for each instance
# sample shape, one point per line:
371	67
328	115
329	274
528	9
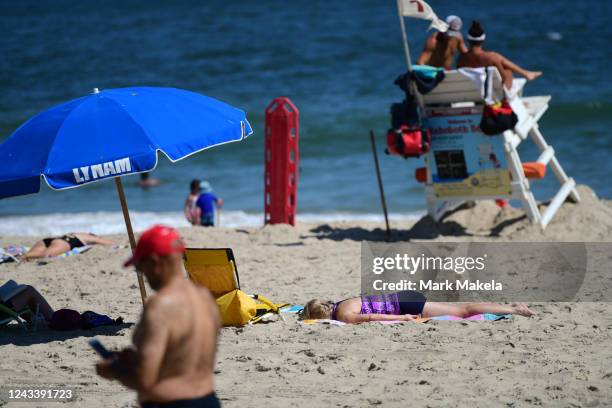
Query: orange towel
534	170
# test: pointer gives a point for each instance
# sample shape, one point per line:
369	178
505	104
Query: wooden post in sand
130	231
380	184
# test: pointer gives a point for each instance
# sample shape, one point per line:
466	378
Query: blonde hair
318	309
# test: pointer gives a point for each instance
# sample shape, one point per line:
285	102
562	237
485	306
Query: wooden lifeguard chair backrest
457	88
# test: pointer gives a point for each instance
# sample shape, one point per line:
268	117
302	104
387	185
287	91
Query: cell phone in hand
102	351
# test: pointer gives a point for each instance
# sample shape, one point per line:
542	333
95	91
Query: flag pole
404	35
411	85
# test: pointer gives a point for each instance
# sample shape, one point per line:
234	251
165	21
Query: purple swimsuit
398	303
380	304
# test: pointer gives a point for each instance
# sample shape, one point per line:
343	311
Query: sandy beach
559	358
192	113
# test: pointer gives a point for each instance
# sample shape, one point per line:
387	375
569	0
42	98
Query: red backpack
408	141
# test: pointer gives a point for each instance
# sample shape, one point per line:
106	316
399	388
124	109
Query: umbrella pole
130	231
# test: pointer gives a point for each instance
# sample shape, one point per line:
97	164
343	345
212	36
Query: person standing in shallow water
208	204
191	210
147	182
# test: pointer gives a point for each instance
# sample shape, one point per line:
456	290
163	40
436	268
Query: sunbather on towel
441	48
172	361
405	305
477	57
54	246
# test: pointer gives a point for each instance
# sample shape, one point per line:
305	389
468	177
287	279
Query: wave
108	223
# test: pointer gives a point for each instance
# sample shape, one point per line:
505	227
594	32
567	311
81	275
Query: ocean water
335	59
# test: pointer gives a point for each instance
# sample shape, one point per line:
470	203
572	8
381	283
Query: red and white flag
422	10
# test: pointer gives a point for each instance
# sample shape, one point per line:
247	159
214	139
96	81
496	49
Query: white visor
481	38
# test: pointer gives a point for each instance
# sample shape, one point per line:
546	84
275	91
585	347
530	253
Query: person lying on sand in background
55	246
441	48
477	57
191	210
405	305
171	363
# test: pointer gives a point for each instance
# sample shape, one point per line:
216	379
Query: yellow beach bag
236	308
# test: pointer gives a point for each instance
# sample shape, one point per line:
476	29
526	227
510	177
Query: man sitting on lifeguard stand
477	57
442	47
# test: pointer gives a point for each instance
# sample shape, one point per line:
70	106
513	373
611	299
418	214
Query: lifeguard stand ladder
467	165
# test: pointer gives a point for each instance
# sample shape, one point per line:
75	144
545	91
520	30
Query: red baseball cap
160	240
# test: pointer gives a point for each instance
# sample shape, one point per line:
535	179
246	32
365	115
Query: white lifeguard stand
466	165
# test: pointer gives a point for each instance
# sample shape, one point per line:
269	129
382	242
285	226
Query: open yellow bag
236	308
215	269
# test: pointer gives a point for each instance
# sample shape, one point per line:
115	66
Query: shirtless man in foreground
441	48
477	57
172	361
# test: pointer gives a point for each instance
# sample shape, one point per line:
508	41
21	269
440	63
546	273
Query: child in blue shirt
208	203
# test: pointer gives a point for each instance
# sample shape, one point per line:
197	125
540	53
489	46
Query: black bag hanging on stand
496	118
405	113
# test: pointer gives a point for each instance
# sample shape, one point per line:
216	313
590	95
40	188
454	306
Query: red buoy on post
281	161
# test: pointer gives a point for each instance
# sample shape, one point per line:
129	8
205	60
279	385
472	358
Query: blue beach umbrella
112	133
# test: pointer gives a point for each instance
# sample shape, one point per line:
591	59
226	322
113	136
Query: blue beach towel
426	71
292	309
425	77
73	251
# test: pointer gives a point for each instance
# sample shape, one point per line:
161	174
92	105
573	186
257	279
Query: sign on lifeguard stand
463	164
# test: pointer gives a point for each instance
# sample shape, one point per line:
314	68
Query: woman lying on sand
405	305
54	246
